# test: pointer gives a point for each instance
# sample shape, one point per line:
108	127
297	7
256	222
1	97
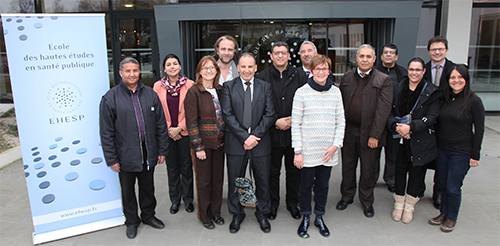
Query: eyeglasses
277	53
437	49
392	52
325	69
207	68
415	69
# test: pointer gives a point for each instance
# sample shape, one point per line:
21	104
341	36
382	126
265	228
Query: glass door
135	36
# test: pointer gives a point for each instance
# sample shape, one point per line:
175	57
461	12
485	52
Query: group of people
425	115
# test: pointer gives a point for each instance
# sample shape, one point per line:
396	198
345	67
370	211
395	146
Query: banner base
77	230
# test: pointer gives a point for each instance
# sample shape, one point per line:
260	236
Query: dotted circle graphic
97	160
44	185
41	174
39	166
65	149
53	146
48	198
75	162
81	151
97	184
56	164
71	176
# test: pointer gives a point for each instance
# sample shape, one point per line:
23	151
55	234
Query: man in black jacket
284	80
435	72
134	139
388	66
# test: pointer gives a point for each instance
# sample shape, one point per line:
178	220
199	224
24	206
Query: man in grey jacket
134	139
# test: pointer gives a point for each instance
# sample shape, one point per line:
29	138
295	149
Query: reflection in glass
135	41
78	6
138	4
258	37
484	49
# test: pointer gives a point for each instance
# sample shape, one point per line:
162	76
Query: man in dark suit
248	111
435	72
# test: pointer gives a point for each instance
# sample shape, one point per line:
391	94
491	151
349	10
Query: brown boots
403	208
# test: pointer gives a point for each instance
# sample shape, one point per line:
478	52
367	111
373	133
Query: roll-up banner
58	67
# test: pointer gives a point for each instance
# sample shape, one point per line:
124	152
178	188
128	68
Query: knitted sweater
318	122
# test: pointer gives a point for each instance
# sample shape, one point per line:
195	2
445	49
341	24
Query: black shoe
265	226
189	208
174	208
218	220
294	212
155	223
342	205
391	188
235	224
437	202
209	225
320	223
302	231
131	231
368	211
272	215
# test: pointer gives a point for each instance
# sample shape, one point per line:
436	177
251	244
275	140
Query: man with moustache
284	80
307	51
248	111
435	72
134	139
367	97
388	66
226	49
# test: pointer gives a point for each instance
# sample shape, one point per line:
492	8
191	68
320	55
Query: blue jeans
319	177
452	168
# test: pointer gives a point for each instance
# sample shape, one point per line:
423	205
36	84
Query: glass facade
337	39
484	50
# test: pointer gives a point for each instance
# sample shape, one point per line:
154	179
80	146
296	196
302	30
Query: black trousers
180	171
147	200
260	169
351	152
404	169
292	175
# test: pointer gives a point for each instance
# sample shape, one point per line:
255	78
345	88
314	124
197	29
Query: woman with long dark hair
206	131
172	90
460	134
415	109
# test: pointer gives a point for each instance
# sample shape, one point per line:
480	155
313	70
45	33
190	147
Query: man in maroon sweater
367	98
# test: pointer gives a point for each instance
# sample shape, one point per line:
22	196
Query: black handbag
406	119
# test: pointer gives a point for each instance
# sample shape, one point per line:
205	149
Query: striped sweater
318	122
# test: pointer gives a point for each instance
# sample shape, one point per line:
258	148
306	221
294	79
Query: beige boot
409	207
399	203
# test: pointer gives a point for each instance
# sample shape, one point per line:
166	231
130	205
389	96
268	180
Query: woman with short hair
318	124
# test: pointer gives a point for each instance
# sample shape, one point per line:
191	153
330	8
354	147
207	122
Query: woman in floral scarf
172	90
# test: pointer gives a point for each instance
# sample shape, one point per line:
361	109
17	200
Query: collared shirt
308	73
229	75
434	67
251	92
360	73
245	86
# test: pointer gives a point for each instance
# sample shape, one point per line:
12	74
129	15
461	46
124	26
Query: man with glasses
388	66
226	49
367	97
284	80
435	72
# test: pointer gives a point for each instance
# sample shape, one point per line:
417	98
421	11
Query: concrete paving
478	223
